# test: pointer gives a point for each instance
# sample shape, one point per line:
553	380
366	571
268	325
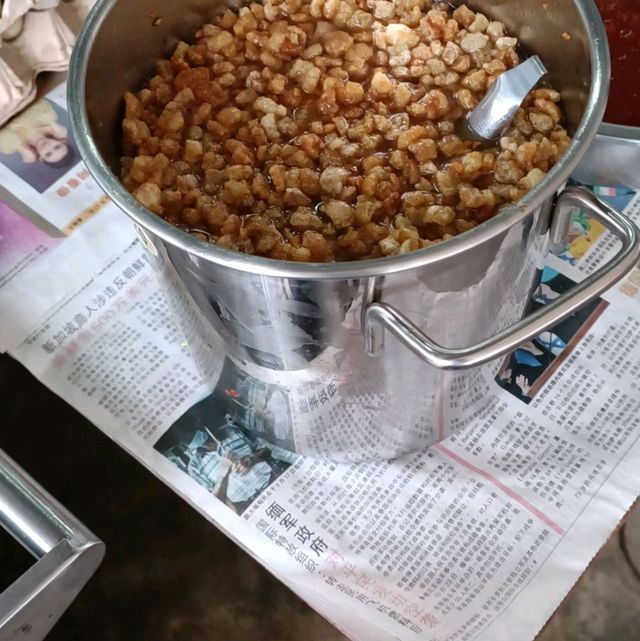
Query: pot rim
202	250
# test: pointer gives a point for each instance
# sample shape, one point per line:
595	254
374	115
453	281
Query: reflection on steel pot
356	347
280	324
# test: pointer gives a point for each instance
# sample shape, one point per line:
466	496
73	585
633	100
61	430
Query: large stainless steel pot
317	331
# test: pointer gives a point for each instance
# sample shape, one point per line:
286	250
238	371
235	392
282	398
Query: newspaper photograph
478	537
530	366
40	163
218	448
34	222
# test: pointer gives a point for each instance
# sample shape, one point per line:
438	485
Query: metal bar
36	520
68	554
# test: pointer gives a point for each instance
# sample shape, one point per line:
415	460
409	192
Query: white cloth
35	36
13	10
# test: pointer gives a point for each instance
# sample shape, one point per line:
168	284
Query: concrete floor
169	575
605	606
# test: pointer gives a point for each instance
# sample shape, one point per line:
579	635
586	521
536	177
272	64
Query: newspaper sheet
479	537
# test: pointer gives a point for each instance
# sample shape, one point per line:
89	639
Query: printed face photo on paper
36	145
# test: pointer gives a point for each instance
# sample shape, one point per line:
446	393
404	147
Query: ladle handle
499	106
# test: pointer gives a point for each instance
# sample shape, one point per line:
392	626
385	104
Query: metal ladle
496	110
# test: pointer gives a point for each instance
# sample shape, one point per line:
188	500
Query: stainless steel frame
68	554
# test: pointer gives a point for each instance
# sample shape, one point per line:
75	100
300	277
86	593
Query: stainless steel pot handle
380	316
68	554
